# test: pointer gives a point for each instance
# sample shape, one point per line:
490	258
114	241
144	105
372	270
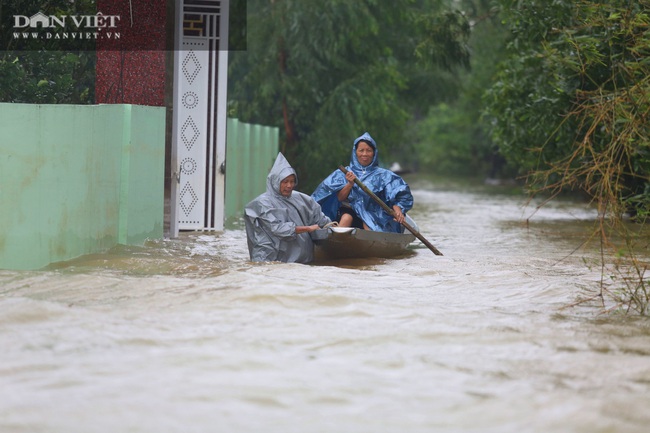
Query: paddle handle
391	212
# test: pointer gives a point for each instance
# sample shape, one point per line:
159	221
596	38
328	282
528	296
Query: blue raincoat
387	185
271	220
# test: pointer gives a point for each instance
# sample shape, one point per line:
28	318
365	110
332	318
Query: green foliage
45	77
452	139
325	72
569	61
440	46
38	70
444	143
570	107
529	97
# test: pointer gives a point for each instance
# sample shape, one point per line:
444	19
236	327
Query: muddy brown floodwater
186	335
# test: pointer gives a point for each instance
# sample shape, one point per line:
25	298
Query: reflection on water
186	335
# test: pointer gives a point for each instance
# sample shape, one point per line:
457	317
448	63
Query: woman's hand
344	192
398	214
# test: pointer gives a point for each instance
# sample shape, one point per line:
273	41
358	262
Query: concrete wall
78	179
250	153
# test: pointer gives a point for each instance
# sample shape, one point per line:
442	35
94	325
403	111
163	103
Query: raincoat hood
281	170
388	186
354	161
271	220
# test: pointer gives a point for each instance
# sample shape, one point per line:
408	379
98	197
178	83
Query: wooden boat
348	242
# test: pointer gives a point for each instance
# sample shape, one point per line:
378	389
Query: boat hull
342	243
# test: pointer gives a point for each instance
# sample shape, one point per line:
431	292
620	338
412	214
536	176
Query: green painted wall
250	153
78	179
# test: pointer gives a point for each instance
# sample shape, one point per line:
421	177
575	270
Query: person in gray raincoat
278	222
341	199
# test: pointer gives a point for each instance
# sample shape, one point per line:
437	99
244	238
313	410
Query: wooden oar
391	212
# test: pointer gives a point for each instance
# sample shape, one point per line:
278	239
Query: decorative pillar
200	84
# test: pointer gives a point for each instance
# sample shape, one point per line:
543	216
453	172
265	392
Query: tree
571	107
452	139
526	103
45	70
328	71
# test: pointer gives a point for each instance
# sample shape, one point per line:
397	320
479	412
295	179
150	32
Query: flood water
186	335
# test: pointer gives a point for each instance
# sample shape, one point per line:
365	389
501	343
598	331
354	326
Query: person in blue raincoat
342	200
278	222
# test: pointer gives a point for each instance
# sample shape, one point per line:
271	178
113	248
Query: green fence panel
145	148
76	180
270	151
245	148
250	153
233	167
255	171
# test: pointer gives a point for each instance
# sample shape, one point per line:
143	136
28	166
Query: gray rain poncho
271	220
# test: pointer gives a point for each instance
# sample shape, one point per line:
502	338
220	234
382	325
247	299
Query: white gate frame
199	116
